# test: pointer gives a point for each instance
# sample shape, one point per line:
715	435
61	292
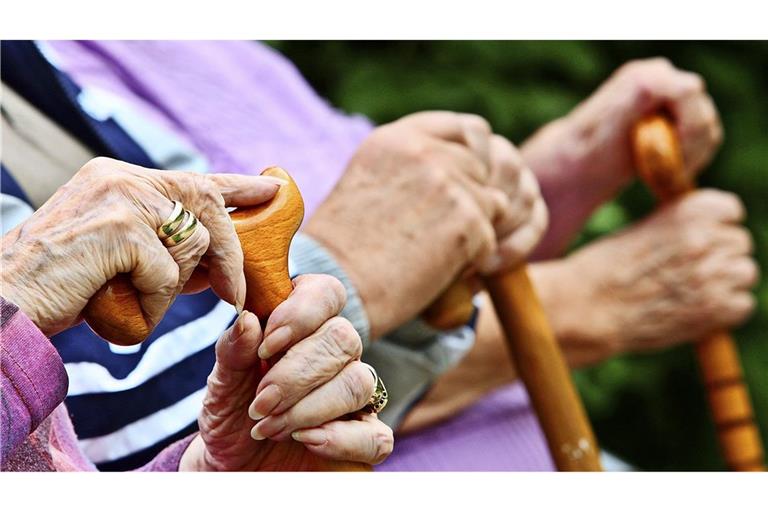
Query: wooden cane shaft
659	160
542	367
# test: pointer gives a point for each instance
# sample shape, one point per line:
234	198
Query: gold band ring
173	222
185	230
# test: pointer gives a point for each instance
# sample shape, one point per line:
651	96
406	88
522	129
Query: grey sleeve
307	256
407	359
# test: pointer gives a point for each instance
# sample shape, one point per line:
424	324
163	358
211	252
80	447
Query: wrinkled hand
604	121
423	199
313	393
104	221
679	274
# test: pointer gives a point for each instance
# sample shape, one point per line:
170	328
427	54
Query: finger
240	190
494	203
739	308
735	273
734	241
469	130
521	204
456	158
744	274
506	165
698	124
314	299
236	349
200	195
154	273
198	281
515	249
188	253
347	392
710	203
306	366
365	440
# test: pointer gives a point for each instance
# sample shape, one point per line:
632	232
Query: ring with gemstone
379	398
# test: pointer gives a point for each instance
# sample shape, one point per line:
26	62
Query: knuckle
695	242
97	165
742	308
383	443
208	191
334	292
507	156
476	123
342	339
356	381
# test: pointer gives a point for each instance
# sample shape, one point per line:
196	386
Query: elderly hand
104	221
585	158
676	276
313	393
424	198
638	88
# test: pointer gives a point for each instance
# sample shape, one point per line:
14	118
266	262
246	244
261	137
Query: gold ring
380	397
173	222
185	231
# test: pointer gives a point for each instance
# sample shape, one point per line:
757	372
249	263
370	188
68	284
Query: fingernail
266	400
255	434
239	326
240	298
270	427
310	436
277	340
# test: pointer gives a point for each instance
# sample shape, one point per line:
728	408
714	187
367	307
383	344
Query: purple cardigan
36	433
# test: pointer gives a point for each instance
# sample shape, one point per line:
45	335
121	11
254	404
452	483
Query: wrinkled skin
584	159
681	273
425	198
104	221
317	387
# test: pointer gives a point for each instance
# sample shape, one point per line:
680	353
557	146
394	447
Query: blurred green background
649	409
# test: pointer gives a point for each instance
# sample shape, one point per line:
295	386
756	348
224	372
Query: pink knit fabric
36	433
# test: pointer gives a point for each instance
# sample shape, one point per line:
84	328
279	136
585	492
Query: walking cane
659	160
537	358
265	233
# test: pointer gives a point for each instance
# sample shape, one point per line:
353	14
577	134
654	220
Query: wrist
570	295
20	296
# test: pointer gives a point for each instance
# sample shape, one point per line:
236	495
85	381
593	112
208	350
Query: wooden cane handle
542	367
452	308
114	313
659	160
265	232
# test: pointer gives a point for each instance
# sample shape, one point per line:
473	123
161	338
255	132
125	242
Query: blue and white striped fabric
148	395
127	403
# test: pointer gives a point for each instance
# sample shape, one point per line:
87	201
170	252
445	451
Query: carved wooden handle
659	160
265	232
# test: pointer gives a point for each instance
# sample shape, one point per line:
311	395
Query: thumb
237	348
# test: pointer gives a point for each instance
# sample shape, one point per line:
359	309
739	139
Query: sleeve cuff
307	256
34	381
170	458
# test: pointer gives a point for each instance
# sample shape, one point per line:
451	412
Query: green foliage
649	409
